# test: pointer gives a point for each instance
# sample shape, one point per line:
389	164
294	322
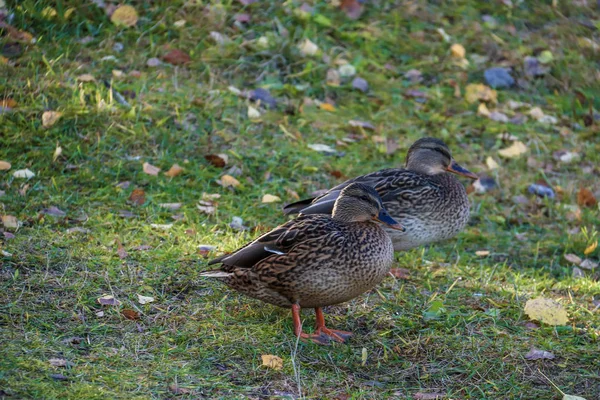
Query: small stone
541	191
360	84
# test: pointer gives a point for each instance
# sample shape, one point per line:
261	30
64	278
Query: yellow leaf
308	48
10	221
478	92
49	13
4	165
174	171
457	51
49	118
491	163
327	107
547	311
514	150
271	361
228	180
68	12
590	249
269	198
253	113
57	152
124	15
150	169
86	78
483	110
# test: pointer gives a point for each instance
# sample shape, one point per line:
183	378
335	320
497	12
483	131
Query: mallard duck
429	201
316	260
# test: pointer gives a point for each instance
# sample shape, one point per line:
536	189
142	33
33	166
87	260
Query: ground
91	222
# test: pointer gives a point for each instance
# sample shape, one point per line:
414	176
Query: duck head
431	156
360	203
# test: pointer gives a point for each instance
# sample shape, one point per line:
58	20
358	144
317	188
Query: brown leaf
336	173
121	251
217	160
49	118
179	390
10	221
400	273
585	198
228	180
573	259
352	8
130	314
8	103
108	300
177	57
272	361
138	197
4	165
174	171
16	34
151	169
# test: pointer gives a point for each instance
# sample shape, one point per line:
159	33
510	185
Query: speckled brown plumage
316	260
425	197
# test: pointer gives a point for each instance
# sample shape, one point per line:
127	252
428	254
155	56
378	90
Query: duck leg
320	328
317	337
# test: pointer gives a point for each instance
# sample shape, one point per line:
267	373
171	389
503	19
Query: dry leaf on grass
145	299
58	362
121	250
400	273
491	163
124	15
171	206
546	310
49	118
86	78
352	8
23	173
138	197
217	160
536	354
4	165
150	169
271	361
57	152
591	248
177	57
571	397
253	113
228	181
429	396
269	198
308	48
572	258
327	107
457	51
174	171
585	198
10	221
130	314
54	211
108	300
514	150
478	92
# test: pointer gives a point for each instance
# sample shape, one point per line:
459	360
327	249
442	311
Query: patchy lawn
88	103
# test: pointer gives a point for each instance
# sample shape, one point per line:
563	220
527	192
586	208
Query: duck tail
215	273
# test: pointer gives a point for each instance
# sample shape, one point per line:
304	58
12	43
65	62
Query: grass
198	339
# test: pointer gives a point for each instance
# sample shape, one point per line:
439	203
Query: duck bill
386	219
455	168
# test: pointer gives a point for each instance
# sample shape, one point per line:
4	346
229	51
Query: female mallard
431	203
316	260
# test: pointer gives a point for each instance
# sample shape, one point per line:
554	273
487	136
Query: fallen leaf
58	362
269	198
8	103
573	259
361	124
333	77
347	70
585	198
57	153
483	110
171	206
457	51
591	248
482	253
164	227
547	311
571	397
219	38
138	197
4	165
54	212
478	92
545	57
217	160
130	314
124	15
121	250
352	8
588	264
210	196
400	273
428	396
86	78
177	57
23	173
108	300
577	273
229	181
150	169
271	361
10	221
327	107
308	48
206	207
253	113
536	354
514	150
153	62
145	299
174	171
491	163
49	118
175	389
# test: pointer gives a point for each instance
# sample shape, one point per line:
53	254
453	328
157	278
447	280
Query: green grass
200	336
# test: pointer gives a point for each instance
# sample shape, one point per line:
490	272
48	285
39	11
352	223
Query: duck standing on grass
316	260
431	203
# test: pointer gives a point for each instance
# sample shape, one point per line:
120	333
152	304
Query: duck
425	196
316	260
